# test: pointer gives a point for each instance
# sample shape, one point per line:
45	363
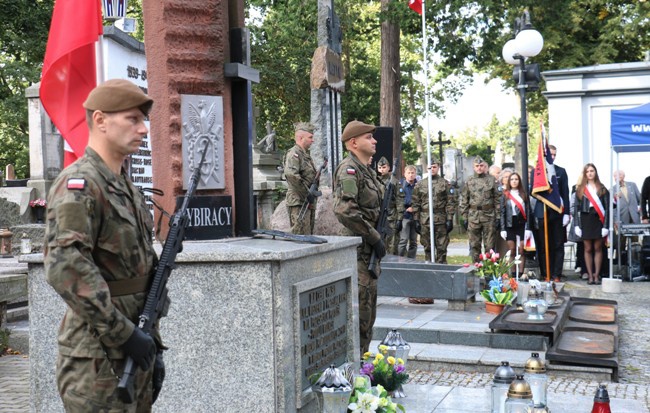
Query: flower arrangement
368	400
384	371
40	202
501	288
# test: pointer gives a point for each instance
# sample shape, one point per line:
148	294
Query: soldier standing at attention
444	207
358	194
479	207
384	170
300	172
99	257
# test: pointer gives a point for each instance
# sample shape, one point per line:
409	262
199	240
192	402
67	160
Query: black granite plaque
210	217
323	328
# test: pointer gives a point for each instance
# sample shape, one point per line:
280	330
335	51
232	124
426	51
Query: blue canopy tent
630	132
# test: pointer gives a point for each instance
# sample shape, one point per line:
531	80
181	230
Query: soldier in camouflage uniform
444	207
99	257
300	172
384	170
358	194
479	207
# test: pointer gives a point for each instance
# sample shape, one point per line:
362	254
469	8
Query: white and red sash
591	194
519	203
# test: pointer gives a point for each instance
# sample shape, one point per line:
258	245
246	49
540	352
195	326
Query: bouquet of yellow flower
387	372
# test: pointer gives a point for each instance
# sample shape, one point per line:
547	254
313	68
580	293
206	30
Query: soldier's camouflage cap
354	129
478	160
435	160
304	126
116	95
382	161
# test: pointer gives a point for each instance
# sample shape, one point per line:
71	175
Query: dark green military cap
354	129
382	161
116	95
435	160
478	160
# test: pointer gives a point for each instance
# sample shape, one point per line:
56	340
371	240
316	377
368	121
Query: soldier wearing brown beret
99	257
358	194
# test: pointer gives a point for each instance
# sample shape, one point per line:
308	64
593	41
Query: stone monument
267	177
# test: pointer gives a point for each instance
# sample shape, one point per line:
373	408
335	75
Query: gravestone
9	213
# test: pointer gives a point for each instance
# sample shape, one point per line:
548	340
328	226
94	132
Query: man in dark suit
556	223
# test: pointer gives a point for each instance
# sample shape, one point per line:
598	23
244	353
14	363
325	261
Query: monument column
186	47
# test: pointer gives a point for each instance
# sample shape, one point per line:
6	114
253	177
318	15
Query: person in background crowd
645	200
99	257
627	199
479	206
384	170
515	210
495	171
592	219
300	172
410	227
556	223
357	199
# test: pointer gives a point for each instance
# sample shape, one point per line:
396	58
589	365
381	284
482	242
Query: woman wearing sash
514	216
591	212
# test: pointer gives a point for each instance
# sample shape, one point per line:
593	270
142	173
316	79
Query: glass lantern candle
549	294
522	289
535	375
503	376
520	398
535	306
333	391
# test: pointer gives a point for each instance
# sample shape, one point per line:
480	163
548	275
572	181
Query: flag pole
428	138
546	255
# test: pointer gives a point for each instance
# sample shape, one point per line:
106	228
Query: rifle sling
129	286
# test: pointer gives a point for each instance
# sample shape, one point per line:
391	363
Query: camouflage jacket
444	200
98	230
392	203
480	199
358	193
300	172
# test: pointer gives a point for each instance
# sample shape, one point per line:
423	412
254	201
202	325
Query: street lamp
527	43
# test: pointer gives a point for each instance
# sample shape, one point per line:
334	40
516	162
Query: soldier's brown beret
354	129
116	95
304	126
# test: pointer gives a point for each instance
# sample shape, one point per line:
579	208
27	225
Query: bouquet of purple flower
385	371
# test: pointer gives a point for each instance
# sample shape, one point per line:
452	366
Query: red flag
416	6
69	72
545	185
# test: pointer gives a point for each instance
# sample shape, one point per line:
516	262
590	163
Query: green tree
25	25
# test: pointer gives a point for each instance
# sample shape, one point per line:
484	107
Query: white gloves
578	231
503	234
565	220
604	232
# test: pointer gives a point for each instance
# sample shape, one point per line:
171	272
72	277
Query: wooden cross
440	142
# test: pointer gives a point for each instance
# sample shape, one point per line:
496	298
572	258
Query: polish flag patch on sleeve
351	171
76	183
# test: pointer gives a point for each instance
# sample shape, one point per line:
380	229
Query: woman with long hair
515	208
591	212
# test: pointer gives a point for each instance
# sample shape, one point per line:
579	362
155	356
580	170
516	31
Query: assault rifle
382	223
313	190
155	305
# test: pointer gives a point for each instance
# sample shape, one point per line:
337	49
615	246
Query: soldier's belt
482	207
127	287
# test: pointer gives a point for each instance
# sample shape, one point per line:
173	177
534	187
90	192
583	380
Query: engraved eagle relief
202	129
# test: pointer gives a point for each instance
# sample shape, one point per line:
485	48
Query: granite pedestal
241	330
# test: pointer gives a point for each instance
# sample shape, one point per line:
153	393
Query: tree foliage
25	25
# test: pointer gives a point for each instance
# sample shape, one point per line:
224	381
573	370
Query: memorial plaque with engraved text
323	328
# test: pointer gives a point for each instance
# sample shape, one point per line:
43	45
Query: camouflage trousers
392	241
304	226
481	234
441	239
88	385
367	304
